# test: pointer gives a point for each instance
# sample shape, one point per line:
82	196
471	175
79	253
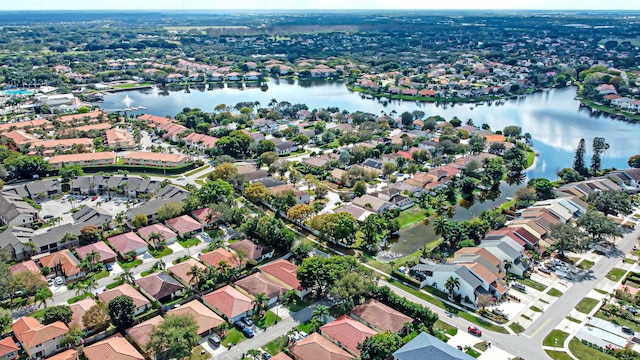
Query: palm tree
90	285
254	354
451	284
160	265
156	238
288	298
260	303
225	269
42	295
507	265
126	276
321	313
273	102
195	274
440	225
80	289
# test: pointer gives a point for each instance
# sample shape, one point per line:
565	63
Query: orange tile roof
181	270
81	117
204	317
261	283
348	332
7	346
146	231
101	126
281	356
38	123
30	332
494	138
151	156
70	354
108	157
229	301
284	271
141	332
214	257
381	316
316	347
139	300
113	348
65	258
50	144
79	309
126	242
184	224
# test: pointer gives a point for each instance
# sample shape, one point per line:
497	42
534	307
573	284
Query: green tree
512	131
569	175
321	313
42	295
122	312
96	317
543	187
70	171
284	201
611	202
578	161
351	287
126	276
268	158
257	192
74	336
599	147
451	284
175	337
360	188
169	210
598	226
5	320
321	273
567	238
299	213
57	313
634	161
224	172
139	220
341	227
25	166
380	346
440	225
260	303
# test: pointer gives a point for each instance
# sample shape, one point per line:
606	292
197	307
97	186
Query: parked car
59	280
109	267
519	287
611	347
265	355
244	329
627	330
94	198
544	269
499	312
474	331
214	340
246	321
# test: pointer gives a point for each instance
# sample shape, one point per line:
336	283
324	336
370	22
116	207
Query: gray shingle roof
425	346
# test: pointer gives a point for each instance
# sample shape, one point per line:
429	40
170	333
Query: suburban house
139	300
79	308
251	250
128	242
119	139
160	286
17	212
167	234
200	141
357	212
182	270
205	216
302	197
347	333
105	254
230	302
115	347
286	271
281	356
285	148
141	334
371	203
317	347
214	258
63	263
8	349
380	317
257	283
70	354
39	340
28	265
508	251
206	319
184	225
155	159
251	174
53	239
425	346
83	159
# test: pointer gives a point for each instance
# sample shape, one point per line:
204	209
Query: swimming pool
16	92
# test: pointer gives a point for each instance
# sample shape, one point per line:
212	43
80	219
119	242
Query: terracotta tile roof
79	309
7	346
30	332
260	283
284	271
126	242
146	231
184	224
281	356
70	354
348	332
494	138
65	258
115	136
37	123
252	250
100	247
229	301
107	157
204	317
81	117
151	156
381	316
316	347
155	120
214	257
202	214
113	348
181	270
159	285
140	333
102	126
481	271
125	289
28	265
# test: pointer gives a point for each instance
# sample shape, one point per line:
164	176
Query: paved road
270	334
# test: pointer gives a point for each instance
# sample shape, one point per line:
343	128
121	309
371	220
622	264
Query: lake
554	119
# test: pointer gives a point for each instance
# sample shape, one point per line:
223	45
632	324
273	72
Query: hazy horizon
325	5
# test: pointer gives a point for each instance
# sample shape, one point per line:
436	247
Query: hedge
137	169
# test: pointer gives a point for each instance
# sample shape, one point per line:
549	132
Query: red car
474	331
94	198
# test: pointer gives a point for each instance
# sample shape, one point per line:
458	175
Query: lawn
449	329
585	265
554	292
573	319
296	305
196	354
75	299
618	320
616	274
196	170
531	156
130	264
306	327
411	216
586	305
517	328
276	345
582	351
558	355
629	261
473	353
555	334
267	320
161	253
189	242
101	275
532	284
37	314
234	336
536	309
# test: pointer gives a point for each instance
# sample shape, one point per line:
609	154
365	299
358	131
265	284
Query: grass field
616	274
161	253
554	292
268	320
130	264
585	265
586	305
189	242
449	329
582	351
555	334
411	216
558	355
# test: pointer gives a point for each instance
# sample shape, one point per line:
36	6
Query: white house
507	250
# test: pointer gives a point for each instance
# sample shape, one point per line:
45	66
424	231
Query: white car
59	280
181	177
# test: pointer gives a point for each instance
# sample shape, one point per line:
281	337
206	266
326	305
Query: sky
326	4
